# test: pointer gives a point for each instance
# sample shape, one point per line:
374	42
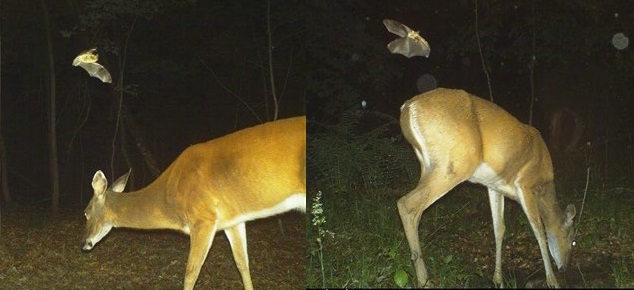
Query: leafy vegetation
369	248
361	164
348	157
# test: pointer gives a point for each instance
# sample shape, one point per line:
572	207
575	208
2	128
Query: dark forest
185	72
563	67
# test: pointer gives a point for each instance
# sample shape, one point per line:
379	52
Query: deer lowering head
459	137
214	186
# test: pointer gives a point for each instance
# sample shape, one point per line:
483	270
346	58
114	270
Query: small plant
318	221
621	274
400	278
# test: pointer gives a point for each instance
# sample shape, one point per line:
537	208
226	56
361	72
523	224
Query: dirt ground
39	252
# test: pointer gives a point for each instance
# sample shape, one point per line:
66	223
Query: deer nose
87	246
563	267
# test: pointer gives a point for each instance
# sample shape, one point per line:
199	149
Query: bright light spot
620	41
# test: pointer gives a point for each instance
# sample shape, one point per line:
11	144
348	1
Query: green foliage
348	157
318	221
98	13
400	278
621	272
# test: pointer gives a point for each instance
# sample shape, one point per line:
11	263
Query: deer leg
530	206
496	200
201	238
237	236
411	207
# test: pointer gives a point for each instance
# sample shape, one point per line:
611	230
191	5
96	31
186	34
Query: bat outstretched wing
98	71
397	28
88	61
410	44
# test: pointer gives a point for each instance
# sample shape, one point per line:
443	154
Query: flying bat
88	61
409	44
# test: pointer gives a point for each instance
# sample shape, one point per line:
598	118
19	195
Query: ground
41	252
456	234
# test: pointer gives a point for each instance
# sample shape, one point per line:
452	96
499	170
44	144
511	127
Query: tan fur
213	186
460	137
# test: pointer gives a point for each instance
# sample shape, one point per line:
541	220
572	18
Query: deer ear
570	215
99	183
119	184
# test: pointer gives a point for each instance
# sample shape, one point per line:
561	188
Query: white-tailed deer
218	185
458	137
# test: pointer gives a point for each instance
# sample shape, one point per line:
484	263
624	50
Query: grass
369	246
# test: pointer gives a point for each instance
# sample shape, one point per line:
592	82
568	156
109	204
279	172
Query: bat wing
98	71
409	47
395	27
409	44
88	61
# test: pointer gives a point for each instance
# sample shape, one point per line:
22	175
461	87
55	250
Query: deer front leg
433	185
410	208
201	238
237	236
496	200
410	225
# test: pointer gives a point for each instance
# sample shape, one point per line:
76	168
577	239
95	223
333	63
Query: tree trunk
52	133
139	141
3	167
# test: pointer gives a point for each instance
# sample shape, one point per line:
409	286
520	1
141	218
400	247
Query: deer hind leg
496	200
237	236
411	206
529	204
201	238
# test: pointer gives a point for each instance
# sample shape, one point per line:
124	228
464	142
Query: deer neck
146	208
550	212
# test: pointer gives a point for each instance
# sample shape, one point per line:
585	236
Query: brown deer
218	185
458	137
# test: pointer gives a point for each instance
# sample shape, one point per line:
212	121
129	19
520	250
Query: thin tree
52	133
531	65
484	66
2	155
270	51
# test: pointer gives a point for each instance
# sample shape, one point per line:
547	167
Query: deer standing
458	137
218	185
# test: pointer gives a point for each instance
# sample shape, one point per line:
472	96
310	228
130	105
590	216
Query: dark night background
576	65
581	84
170	90
583	96
191	71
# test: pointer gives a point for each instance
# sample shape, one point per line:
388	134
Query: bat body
88	61
409	44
